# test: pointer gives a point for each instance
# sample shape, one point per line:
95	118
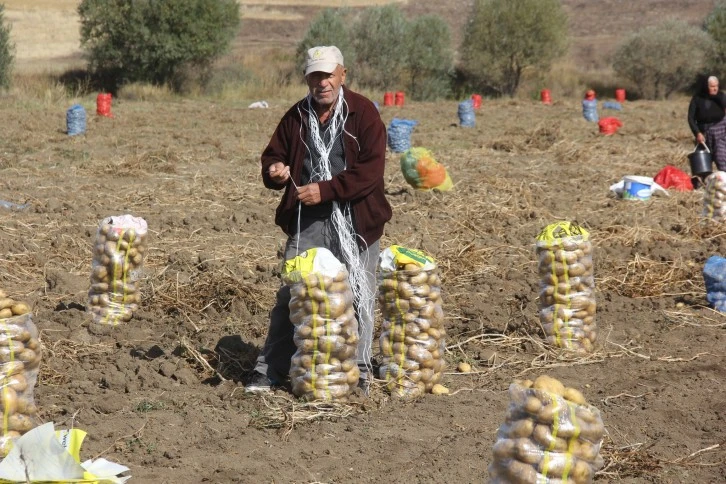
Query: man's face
712	88
324	87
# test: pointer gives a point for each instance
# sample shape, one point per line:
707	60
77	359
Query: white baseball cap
323	59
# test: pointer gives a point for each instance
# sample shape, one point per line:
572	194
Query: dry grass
192	166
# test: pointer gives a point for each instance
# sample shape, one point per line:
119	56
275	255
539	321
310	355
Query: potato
543	436
503	449
426	310
17	382
574	396
12	368
520	473
439	389
417	302
30	358
519	428
582	450
353	375
582	472
6	313
592	432
8	400
549	384
20	423
420	278
20	308
318	294
556	464
405	290
527	451
532	405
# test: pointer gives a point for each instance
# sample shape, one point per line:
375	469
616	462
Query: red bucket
399	98
620	95
476	100
545	96
103	104
388	99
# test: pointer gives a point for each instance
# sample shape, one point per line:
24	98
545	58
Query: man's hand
700	138
309	194
279	172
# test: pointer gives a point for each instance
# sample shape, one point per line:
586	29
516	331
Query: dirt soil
163	393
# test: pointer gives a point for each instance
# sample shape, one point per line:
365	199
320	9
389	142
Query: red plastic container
545	96
103	104
609	126
476	100
388	99
620	95
400	98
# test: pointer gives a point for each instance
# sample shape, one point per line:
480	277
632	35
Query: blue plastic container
714	276
399	134
589	110
637	187
467	118
76	120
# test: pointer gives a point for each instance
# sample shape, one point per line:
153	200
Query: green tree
157	41
7	50
715	25
664	58
328	28
379	41
505	37
430	59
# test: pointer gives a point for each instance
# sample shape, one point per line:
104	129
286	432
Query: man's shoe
259	383
364	385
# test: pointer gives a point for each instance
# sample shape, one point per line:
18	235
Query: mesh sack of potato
20	355
550	435
118	254
412	332
714	197
567	303
324	367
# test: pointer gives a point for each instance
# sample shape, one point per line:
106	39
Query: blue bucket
637	187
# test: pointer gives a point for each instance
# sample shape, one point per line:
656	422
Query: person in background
328	156
706	118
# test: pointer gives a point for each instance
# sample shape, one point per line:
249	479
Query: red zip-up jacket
360	184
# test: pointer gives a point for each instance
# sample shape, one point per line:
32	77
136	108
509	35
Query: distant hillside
46	31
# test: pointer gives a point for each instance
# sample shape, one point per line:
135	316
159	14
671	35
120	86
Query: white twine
363	293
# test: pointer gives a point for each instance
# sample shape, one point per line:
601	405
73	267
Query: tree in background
664	58
158	41
430	59
6	50
504	37
328	28
715	25
379	40
387	51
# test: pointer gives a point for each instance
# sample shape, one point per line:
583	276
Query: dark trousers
716	142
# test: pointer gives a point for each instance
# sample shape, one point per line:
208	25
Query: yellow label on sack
298	267
561	230
71	440
404	255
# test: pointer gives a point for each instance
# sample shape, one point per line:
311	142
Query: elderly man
328	155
